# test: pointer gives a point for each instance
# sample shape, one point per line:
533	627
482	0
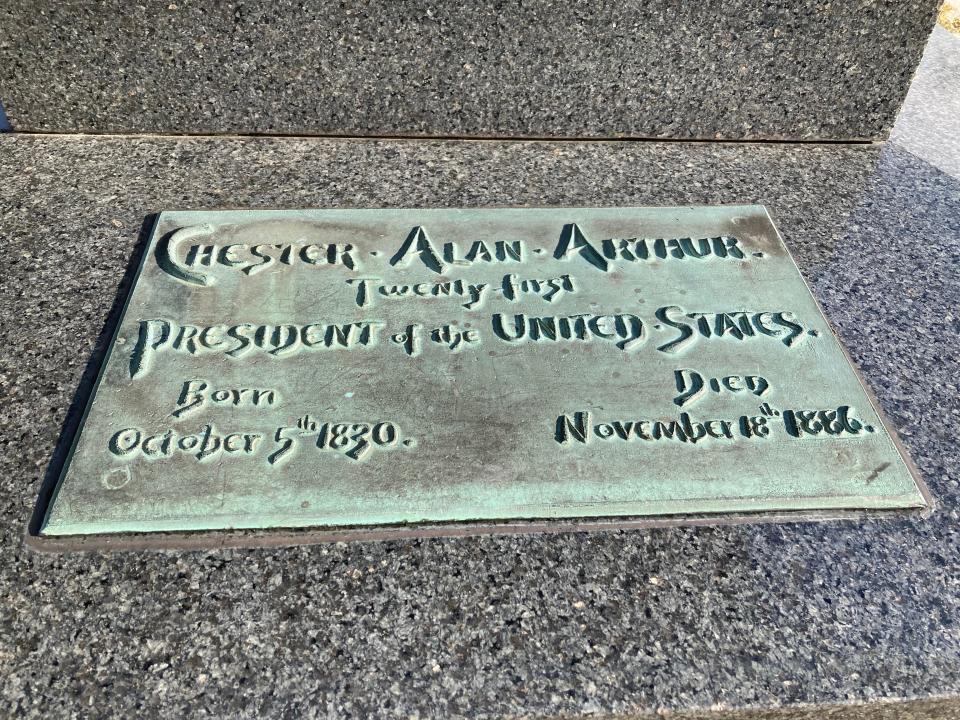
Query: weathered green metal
321	368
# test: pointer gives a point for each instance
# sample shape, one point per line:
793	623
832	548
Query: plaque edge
47	496
913	471
294	537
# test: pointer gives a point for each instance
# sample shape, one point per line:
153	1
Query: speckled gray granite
852	619
642	68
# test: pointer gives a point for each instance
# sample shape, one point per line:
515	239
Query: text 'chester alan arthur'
188	256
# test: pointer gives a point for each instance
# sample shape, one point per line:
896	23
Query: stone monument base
840	619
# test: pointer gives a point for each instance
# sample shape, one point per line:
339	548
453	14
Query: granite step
795	69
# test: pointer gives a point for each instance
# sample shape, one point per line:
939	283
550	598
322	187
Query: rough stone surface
641	68
842	614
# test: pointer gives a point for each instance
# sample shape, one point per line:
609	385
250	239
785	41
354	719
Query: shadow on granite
710	621
791	69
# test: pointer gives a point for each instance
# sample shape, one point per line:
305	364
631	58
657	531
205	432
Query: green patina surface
368	367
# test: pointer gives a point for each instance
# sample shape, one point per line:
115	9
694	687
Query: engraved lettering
168	248
572	240
633	250
194	395
514	287
274	340
626	331
738	325
247	259
153	334
839	422
691	385
354	440
580	428
418	243
205	444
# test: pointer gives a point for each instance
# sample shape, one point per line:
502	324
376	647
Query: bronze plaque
381	368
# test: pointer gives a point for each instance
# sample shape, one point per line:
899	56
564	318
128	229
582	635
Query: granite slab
790	69
840	619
